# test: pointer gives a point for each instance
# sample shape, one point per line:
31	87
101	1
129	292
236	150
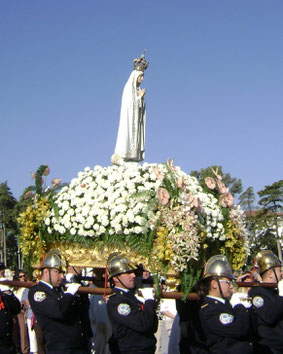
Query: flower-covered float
155	214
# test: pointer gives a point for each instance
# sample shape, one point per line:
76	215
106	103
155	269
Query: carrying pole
164	294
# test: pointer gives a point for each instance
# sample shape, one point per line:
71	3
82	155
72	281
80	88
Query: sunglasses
21	276
229	282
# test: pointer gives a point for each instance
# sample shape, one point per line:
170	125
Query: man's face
145	274
56	277
125	280
277	271
226	287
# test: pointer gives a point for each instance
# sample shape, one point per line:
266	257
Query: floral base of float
155	214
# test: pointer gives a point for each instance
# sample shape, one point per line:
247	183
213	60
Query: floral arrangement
155	209
32	242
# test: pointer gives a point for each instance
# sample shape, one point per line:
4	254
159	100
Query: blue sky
214	85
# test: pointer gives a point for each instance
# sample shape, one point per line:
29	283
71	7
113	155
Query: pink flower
210	182
189	199
170	165
181	183
222	188
55	182
27	194
226	200
194	202
46	171
216	174
159	175
163	196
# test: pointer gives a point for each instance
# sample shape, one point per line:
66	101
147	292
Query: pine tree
247	200
8	226
271	213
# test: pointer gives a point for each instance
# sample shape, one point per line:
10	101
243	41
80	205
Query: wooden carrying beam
107	291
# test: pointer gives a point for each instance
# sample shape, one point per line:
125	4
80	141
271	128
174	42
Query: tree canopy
234	184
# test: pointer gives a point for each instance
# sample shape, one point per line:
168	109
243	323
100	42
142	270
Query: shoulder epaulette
112	294
203	306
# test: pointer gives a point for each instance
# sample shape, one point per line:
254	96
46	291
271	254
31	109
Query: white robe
130	144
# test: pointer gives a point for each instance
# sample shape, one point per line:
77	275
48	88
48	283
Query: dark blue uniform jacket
268	319
60	317
133	323
227	329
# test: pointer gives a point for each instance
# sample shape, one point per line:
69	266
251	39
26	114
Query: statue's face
139	79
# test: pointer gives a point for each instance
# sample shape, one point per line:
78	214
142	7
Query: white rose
81	232
67	224
61	230
90	220
70	212
96	227
118	228
105	221
137	230
73	231
130	216
101	230
90	233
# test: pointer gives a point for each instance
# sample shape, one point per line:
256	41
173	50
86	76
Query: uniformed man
9	306
268	305
227	329
58	313
133	322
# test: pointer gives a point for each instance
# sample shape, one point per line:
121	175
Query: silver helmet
53	259
265	260
118	264
218	266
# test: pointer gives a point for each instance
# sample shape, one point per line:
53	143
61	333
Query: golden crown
141	64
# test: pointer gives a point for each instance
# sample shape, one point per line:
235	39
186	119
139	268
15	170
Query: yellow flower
30	222
161	232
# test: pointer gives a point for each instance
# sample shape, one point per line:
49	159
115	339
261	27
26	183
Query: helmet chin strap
220	289
122	283
275	275
50	279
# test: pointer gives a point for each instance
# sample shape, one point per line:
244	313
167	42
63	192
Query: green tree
261	233
271	200
247	199
8	226
234	184
272	197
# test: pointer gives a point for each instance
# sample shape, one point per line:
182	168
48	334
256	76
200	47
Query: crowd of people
54	316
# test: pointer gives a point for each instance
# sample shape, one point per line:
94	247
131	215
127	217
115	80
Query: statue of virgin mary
130	144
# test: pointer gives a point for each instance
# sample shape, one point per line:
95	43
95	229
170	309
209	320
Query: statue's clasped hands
142	93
